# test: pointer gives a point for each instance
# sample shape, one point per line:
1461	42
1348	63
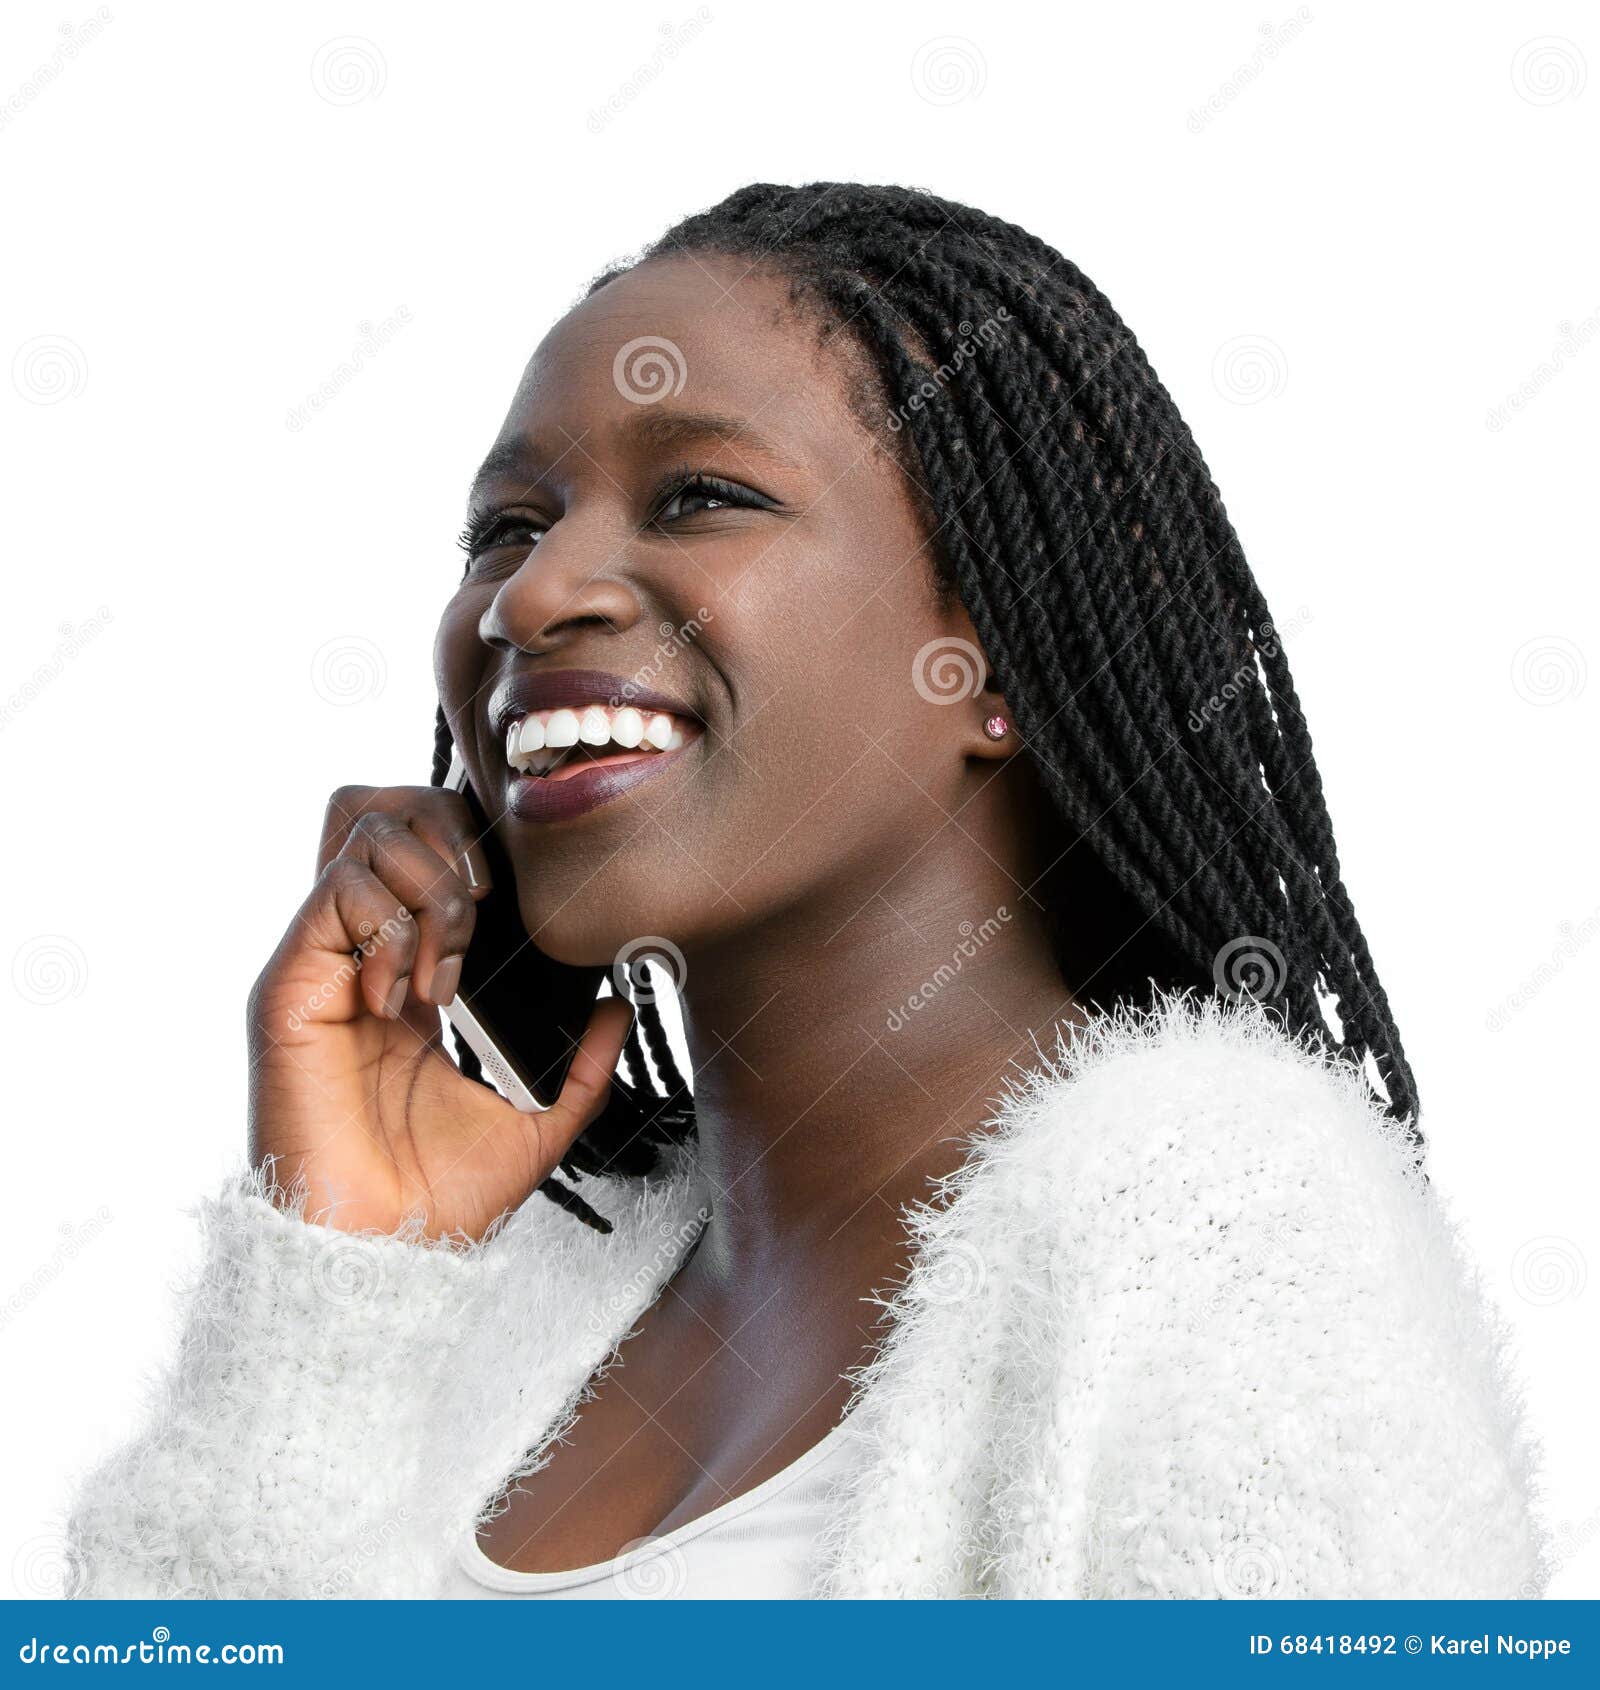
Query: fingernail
446	979
470	873
395	999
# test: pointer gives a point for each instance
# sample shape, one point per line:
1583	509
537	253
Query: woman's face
780	617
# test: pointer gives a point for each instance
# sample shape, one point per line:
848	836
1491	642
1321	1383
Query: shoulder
1230	1167
1195	1086
1200	1115
1262	1303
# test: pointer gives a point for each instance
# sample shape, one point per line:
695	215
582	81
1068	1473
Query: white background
1346	236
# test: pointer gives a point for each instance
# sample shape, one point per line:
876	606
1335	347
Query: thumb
588	1082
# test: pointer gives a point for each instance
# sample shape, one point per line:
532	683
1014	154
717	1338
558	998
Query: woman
1033	1229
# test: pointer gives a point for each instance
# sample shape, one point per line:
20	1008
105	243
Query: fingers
434	895
441	819
385	926
358	912
339	957
421	843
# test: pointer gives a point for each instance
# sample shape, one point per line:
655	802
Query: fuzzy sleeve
1298	1389
280	1454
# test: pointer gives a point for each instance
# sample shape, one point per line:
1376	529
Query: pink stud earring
997	727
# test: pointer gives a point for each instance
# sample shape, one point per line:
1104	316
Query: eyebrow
682	428
523	460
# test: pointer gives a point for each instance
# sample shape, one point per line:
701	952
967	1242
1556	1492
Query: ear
988	729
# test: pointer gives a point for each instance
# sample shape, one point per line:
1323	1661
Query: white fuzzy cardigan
1184	1324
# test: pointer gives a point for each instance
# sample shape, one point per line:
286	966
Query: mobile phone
521	1012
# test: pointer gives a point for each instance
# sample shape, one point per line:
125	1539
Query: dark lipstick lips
548	689
532	798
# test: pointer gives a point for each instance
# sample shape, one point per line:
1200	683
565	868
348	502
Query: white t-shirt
756	1545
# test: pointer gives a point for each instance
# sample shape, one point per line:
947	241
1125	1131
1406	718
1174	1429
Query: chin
573	936
592	920
599	922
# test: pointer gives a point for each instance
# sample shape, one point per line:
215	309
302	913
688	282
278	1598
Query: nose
566	585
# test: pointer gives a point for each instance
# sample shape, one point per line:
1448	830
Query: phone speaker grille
498	1072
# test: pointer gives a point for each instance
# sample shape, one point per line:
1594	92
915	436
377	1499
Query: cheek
458	659
840	763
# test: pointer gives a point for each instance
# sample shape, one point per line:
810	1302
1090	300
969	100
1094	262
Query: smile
569	760
558	744
574	739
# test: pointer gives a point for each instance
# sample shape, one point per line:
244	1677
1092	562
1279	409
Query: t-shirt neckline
488	1572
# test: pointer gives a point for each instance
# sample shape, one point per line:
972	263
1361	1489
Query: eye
490	530
687	493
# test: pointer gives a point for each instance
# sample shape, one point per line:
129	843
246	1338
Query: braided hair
1071	513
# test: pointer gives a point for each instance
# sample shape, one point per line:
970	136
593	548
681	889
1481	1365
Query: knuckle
344	876
347	803
439	798
377	824
400	936
454	909
387	942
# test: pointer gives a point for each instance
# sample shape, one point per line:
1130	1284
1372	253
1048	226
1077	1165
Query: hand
350	1083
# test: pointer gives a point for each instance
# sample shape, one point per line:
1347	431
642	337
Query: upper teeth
536	743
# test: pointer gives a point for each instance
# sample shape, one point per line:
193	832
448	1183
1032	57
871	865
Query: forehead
733	324
700	336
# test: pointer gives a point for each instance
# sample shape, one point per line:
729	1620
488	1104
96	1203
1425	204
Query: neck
839	1071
